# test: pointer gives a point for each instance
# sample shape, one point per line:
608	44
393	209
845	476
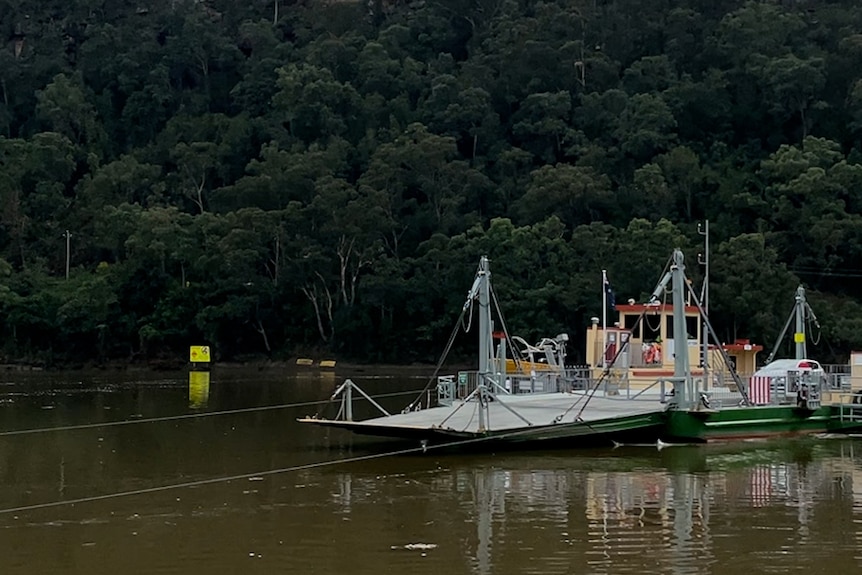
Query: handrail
650	386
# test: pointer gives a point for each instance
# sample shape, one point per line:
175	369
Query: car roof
781	366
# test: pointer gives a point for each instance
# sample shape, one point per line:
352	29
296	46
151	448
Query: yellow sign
199	354
199	389
799	337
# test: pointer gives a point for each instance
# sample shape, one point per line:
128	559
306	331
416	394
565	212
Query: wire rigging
412	405
215	480
606	372
181	417
517	357
812	321
466	310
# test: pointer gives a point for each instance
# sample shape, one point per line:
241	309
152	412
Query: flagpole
604	317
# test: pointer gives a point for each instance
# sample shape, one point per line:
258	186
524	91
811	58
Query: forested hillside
272	177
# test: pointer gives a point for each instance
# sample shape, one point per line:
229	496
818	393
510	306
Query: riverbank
293	364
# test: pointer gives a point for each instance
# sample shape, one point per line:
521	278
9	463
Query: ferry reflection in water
765	508
772	507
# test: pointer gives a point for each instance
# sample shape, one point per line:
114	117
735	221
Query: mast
704	296
799	335
481	292
488	377
604	318
682	381
681	370
801	310
483	277
680	335
686	391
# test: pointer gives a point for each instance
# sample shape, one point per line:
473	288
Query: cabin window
630	322
651	327
690	326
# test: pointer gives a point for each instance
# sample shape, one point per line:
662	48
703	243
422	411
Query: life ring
652	353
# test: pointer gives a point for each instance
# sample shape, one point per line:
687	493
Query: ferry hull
640	428
753	422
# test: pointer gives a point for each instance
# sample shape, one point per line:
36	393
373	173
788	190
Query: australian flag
609	293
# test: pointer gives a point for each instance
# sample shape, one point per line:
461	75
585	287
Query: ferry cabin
637	351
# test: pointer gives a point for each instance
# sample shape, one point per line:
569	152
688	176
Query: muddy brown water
789	506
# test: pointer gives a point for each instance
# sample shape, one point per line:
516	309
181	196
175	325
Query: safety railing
849	406
451	388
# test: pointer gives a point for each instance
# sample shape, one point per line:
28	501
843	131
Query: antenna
704	297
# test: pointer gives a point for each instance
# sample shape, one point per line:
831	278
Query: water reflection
199	389
766	507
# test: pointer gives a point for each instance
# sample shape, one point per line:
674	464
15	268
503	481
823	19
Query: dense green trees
272	177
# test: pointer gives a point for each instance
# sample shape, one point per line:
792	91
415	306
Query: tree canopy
277	176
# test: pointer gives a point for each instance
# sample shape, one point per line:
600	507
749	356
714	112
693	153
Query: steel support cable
215	480
651	328
181	417
606	370
516	354
812	320
439	365
724	357
790	319
602	377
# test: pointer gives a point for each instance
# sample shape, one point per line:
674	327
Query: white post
68	236
604	317
348	401
704	296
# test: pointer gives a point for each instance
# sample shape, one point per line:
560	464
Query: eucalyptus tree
530	283
424	183
814	206
34	185
313	104
684	174
574	194
751	290
282	175
235	277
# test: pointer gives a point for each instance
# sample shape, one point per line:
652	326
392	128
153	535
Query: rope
147	490
651	328
179	417
813	321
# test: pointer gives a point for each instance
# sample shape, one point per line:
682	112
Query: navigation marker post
199	376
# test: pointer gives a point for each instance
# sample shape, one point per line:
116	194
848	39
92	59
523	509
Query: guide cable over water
183	416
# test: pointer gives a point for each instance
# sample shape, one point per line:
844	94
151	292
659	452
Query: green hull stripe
764	421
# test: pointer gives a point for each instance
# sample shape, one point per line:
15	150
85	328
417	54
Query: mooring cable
180	417
211	481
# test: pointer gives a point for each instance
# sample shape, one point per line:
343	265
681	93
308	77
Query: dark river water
792	506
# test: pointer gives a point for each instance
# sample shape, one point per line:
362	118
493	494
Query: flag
609	293
758	389
760	485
